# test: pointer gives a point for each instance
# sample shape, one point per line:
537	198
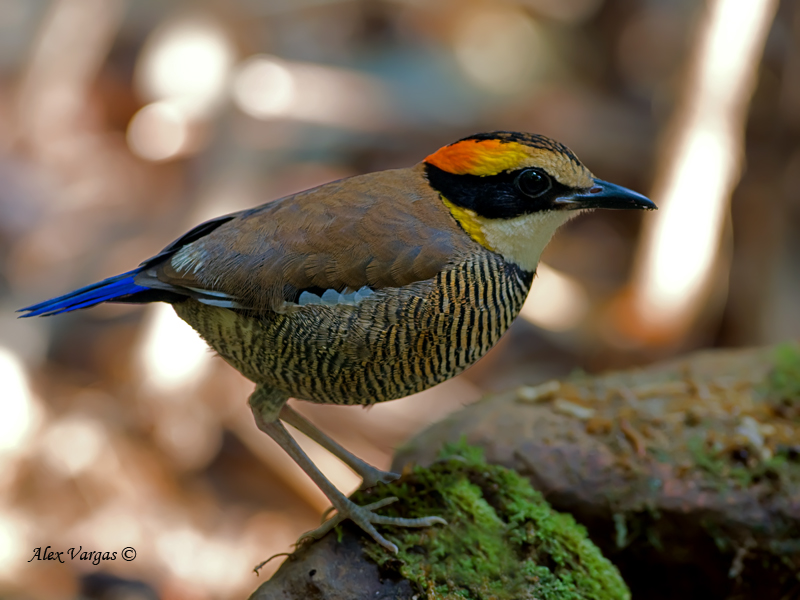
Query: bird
369	288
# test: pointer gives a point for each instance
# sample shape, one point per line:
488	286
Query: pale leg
266	405
371	475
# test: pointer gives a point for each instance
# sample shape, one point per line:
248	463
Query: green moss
784	379
502	541
704	458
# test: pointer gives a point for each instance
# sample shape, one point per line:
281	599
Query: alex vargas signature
95	556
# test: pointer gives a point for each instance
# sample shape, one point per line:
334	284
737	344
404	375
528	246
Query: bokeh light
14	542
202	560
85	439
499	46
188	59
19	411
557	302
159	131
171	354
264	87
184	70
689	231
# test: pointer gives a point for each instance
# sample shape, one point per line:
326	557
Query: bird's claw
365	518
372	477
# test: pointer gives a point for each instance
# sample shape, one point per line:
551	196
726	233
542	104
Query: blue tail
118	288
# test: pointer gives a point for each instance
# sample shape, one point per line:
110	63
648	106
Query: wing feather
386	229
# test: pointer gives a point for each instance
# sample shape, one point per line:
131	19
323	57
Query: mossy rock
686	473
502	542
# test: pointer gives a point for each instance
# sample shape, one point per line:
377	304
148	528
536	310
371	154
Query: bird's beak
604	195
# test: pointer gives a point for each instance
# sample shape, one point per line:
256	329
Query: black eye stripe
494	196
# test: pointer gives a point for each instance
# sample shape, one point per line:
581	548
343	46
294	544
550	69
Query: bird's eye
533	183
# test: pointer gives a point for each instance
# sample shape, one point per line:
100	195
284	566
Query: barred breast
395	342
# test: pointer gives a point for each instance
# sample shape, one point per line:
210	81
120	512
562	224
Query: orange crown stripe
479	157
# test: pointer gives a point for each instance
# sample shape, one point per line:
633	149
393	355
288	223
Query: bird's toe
366	518
376	476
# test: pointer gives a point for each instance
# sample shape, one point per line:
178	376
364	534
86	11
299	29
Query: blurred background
123	124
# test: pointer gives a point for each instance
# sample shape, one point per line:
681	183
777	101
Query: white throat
521	240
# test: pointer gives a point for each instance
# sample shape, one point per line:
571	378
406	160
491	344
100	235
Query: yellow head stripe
480	157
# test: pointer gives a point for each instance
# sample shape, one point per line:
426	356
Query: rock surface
333	569
686	474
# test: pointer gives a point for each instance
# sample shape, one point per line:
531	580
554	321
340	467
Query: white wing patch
214	298
189	259
220	303
328	298
332	297
214	293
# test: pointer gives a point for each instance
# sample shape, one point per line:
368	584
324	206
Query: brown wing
386	229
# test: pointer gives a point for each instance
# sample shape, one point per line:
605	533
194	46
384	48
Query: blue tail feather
110	289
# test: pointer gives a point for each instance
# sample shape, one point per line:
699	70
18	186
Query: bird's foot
365	517
372	476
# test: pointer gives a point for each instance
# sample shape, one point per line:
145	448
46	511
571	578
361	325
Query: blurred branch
71	46
699	168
